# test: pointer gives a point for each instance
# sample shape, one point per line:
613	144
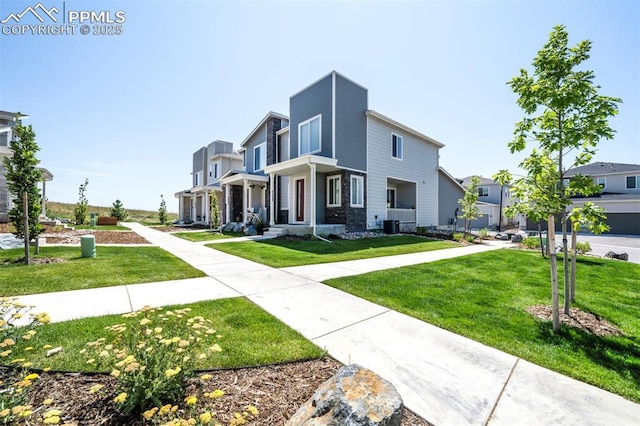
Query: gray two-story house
620	196
493	199
209	164
338	166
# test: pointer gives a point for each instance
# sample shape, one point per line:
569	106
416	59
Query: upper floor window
602	182
210	170
333	191
259	157
633	182
483	191
196	179
216	170
357	191
309	135
244	159
396	146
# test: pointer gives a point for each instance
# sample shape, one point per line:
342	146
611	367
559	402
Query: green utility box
88	246
92	220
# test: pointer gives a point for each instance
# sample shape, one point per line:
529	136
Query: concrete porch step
274	232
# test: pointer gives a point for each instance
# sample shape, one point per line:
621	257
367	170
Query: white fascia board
270	114
407	129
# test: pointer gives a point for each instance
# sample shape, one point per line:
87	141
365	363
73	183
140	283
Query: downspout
313	204
500	220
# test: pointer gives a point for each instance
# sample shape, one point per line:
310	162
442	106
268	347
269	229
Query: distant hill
65	211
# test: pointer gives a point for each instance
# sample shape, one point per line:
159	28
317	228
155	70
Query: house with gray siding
493	199
620	196
344	167
209	164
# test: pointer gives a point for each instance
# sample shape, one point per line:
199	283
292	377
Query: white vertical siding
419	165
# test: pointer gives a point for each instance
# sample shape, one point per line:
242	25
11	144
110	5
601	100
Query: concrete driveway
601	244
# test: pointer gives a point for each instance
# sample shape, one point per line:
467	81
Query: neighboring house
340	166
7	124
620	197
450	191
210	163
493	199
246	185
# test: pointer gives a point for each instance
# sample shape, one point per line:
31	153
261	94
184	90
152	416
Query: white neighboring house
6	134
620	197
493	199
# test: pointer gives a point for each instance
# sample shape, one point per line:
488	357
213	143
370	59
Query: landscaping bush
583	247
483	233
458	236
531	242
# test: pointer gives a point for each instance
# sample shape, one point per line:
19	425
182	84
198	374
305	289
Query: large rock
355	396
228	227
619	256
9	241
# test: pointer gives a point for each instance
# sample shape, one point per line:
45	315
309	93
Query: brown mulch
276	390
36	260
102	237
578	319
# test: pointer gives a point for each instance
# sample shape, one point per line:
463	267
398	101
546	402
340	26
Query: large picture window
309	135
357	191
633	182
333	191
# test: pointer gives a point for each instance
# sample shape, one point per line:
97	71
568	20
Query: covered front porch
244	193
401	203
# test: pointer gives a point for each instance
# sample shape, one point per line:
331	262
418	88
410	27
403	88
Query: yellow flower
115	373
7	342
5	354
91	361
132	367
31	376
103	354
120	398
4	413
46	369
150	413
47	347
145	321
42	318
215	394
27	364
47	401
95	388
53	412
53	420
215	348
28	348
205	417
191	400
157	330
202	356
252	410
206	377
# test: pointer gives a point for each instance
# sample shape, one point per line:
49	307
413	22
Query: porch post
272	208
245	200
312	181
227	208
206	207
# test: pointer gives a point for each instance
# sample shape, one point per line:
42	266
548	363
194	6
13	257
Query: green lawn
281	253
484	297
206	235
112	266
250	336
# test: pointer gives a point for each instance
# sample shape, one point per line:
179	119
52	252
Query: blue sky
127	111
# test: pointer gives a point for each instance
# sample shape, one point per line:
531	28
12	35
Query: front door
299	200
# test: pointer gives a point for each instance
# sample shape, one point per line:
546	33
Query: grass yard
111	267
250	336
484	297
197	236
280	253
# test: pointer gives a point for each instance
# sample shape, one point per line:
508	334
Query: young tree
162	211
468	204
572	120
118	211
22	176
81	209
214	210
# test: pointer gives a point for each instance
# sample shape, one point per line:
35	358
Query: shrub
531	242
483	233
458	236
151	354
118	211
583	247
469	238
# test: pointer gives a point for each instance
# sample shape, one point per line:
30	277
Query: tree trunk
555	308
25	210
565	262
574	243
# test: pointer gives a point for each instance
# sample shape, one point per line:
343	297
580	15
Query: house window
197	179
483	191
602	182
244	160
333	191
259	157
210	170
216	170
396	146
633	182
391	198
357	191
309	134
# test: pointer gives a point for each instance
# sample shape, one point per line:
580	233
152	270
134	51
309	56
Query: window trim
338	178
359	186
602	185
300	125
395	137
216	169
626	182
263	144
479	192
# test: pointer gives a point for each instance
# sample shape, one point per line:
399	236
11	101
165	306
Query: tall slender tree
162	211
214	210
23	176
469	207
82	208
566	117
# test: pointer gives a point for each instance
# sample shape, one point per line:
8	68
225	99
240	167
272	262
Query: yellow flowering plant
150	354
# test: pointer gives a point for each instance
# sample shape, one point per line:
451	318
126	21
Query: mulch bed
276	390
35	260
578	319
101	237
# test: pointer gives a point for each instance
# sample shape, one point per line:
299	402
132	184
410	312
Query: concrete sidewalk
445	378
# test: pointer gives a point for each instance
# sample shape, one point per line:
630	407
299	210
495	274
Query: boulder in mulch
619	256
355	396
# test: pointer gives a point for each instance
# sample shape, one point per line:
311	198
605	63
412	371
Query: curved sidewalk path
445	378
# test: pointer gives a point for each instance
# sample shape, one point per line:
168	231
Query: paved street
601	244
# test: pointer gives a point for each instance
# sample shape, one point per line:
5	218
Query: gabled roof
451	178
407	129
602	168
269	115
483	181
6	115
